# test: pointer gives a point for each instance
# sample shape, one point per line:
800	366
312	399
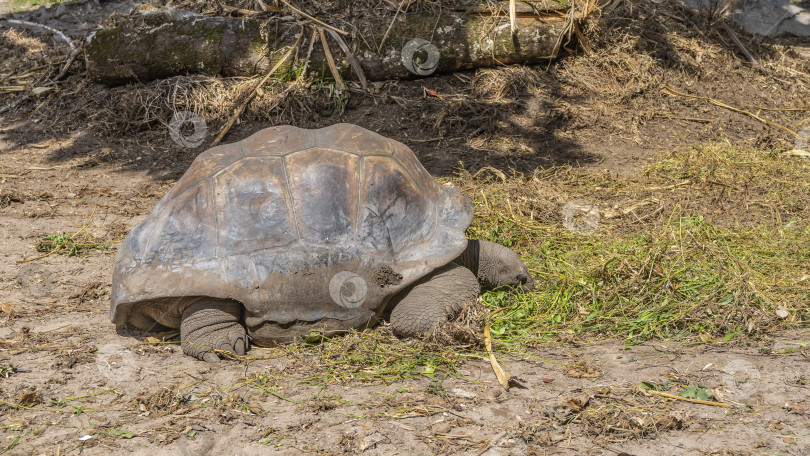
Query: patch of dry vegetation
612	416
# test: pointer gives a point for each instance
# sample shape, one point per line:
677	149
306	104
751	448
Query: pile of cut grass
708	242
376	356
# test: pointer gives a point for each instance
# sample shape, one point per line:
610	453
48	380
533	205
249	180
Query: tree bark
153	44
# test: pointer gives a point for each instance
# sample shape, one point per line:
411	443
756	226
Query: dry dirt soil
67	373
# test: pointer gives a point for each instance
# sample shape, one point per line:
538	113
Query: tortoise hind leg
433	300
213	324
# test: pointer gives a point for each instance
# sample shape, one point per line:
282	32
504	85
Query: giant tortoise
292	231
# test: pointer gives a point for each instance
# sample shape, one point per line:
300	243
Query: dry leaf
503	376
583	371
578	403
7	308
161	337
30	397
41	90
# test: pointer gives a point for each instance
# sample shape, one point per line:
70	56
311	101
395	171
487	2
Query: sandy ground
67	373
63	345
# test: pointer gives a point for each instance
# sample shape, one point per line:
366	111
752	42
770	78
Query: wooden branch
153	44
45	27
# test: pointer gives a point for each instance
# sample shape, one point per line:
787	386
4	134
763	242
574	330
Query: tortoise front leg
433	300
213	324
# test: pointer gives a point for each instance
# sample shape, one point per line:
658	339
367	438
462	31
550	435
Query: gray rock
773	17
764	17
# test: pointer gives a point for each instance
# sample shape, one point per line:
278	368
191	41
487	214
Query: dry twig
238	111
331	62
503	376
687	399
73	54
740	44
513	16
65	67
45	27
342	32
358	70
382	42
667	90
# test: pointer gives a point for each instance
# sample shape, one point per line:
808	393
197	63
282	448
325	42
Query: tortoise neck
469	258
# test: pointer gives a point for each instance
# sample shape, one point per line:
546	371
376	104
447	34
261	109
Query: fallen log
158	43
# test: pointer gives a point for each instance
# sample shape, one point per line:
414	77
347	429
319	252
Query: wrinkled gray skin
217	324
495	265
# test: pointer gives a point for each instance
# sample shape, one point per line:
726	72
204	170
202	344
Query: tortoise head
501	267
495	265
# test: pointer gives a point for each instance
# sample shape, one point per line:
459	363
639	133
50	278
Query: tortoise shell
297	225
